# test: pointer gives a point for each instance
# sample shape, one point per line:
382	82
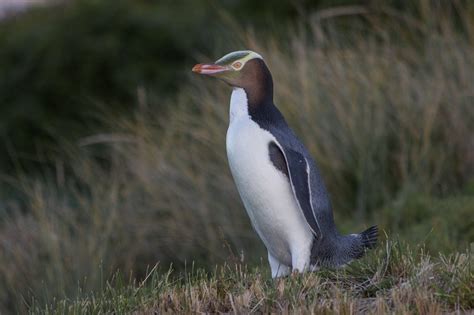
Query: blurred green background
112	154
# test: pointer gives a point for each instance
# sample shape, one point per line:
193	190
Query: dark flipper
298	171
278	159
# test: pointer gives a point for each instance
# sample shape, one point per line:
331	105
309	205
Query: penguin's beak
209	69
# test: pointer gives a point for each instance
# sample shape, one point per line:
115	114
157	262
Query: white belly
265	191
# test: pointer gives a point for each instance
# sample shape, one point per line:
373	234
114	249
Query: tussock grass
386	112
394	279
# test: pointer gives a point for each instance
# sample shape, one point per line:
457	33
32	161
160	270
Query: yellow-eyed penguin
277	179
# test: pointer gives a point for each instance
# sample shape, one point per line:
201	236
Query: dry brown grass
395	280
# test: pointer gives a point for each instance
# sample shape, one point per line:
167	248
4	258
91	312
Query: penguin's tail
360	243
343	249
369	237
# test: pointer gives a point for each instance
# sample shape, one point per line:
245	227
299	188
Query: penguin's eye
237	65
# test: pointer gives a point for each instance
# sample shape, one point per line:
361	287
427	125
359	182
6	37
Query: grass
393	279
385	107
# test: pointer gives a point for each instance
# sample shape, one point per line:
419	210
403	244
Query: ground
393	278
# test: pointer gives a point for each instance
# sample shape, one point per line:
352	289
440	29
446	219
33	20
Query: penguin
278	181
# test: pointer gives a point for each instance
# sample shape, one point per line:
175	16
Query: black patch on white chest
277	158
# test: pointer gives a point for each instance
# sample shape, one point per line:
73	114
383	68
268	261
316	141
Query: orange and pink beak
209	69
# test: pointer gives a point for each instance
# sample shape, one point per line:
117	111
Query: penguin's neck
264	113
238	104
255	96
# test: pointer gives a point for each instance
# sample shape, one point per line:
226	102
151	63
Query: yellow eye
237	65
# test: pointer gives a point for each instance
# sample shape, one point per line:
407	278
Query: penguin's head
241	69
